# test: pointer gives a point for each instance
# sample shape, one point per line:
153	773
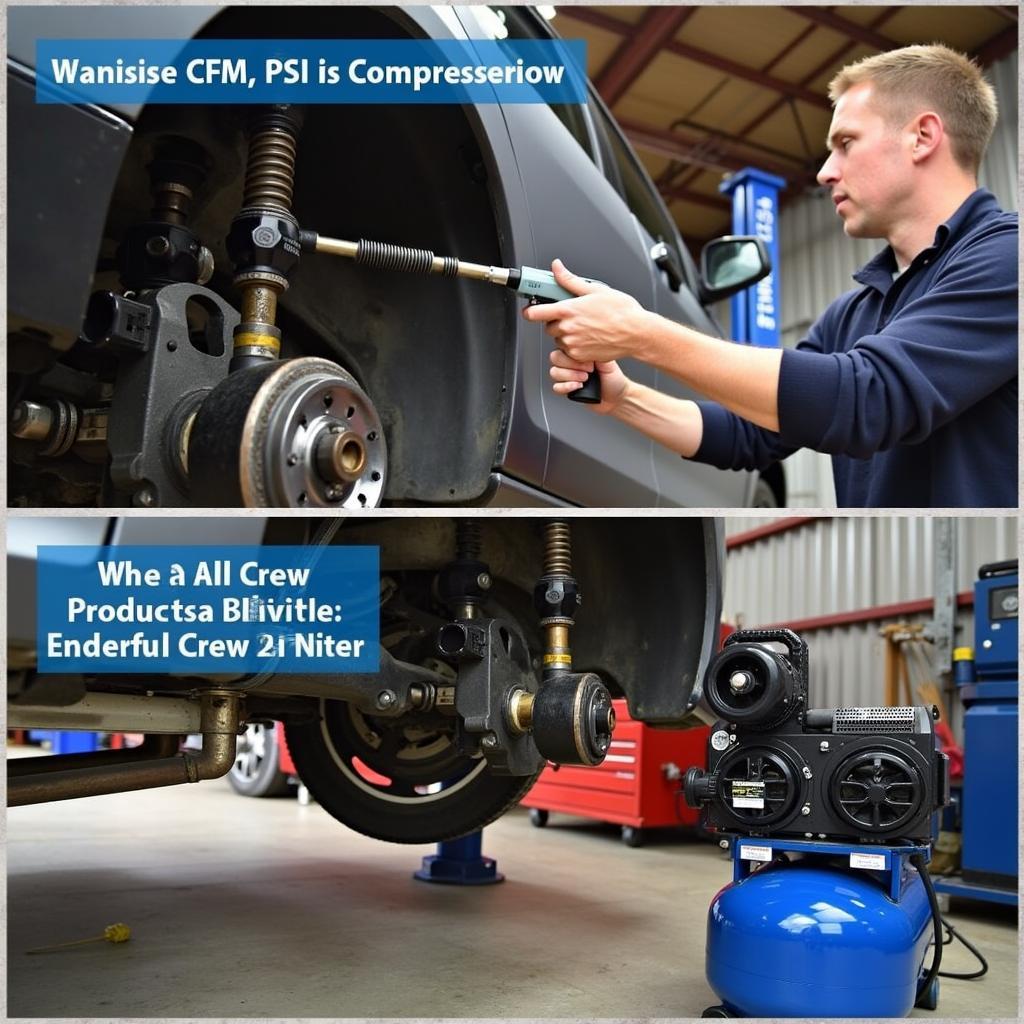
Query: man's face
868	170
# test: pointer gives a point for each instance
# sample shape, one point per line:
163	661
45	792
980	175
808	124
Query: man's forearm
743	379
673	422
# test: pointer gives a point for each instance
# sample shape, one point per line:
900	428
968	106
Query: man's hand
599	326
570	375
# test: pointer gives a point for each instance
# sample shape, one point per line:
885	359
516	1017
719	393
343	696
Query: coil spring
385	256
468	540
557	549
270	173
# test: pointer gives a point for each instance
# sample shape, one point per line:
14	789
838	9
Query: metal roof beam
860	33
687	195
713	154
997	47
590	16
635	53
811	76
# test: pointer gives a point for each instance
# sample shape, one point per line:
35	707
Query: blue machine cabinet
990	695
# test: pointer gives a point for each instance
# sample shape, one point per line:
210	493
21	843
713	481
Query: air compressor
829	814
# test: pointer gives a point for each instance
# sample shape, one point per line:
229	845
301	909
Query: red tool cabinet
633	787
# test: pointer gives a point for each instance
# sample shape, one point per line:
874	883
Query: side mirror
730	264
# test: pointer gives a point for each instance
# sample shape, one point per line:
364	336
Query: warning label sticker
755	852
869	861
748	794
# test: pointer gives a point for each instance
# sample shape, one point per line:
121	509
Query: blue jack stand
459	862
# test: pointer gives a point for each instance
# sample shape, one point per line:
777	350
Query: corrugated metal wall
817	260
846	564
1000	169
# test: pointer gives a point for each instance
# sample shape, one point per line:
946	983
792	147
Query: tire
394	780
255	771
538	817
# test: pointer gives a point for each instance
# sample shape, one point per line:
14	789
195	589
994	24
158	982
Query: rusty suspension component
556	597
263	242
220	722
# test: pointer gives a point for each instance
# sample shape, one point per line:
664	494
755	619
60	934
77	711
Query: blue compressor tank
799	939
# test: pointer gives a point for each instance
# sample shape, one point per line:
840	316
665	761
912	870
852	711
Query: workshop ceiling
703	91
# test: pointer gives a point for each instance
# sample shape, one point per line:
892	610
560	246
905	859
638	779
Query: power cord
924	989
954	934
939	942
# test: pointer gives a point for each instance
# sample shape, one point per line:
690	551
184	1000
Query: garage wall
817	260
848	564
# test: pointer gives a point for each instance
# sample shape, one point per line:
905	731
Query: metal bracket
483	687
157	388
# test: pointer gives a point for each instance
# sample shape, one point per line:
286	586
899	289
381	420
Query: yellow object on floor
112	933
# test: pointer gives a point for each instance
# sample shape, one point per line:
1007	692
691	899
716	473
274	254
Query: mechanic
909	382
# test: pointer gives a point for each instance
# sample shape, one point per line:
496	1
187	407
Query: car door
576	214
678	481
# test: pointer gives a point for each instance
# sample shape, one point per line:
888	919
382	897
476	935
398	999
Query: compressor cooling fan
877	791
756	787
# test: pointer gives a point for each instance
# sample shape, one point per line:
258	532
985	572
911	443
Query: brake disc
295	434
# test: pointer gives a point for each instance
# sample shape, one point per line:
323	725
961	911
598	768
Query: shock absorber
163	250
463	584
556	598
297	432
571	716
263	242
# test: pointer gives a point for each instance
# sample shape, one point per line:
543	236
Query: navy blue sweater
910	385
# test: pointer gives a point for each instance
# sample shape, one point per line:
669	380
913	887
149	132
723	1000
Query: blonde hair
934	77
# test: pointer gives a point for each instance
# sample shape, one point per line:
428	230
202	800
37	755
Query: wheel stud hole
362	499
372	435
375	476
351	412
328	401
302	498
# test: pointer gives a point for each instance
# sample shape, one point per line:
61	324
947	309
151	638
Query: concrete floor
265	908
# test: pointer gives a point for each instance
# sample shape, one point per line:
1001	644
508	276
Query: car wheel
400	780
255	771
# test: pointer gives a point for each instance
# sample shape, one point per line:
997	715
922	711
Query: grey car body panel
507	492
187	530
58	229
24	536
26	24
596	461
545	441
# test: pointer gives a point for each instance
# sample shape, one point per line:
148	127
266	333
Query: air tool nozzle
533	284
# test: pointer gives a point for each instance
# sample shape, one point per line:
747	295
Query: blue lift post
755	211
990	695
460	862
